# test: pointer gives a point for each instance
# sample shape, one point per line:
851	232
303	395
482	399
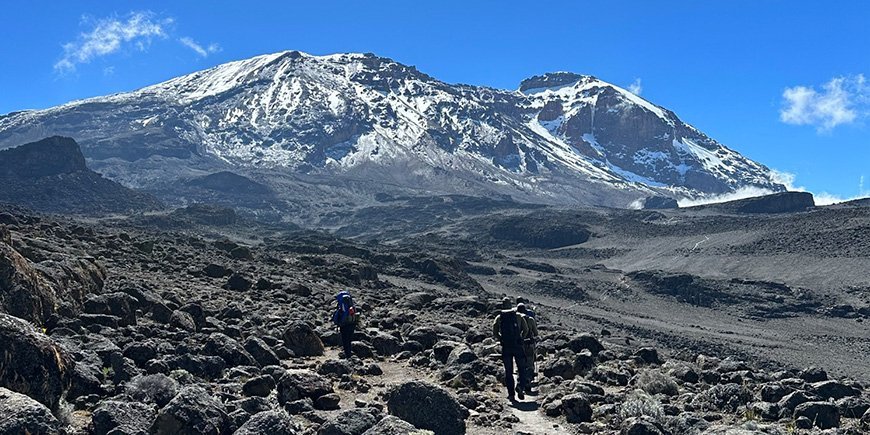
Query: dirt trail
529	420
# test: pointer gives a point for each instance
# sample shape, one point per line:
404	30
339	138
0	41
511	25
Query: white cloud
635	87
785	178
841	101
198	48
742	193
109	35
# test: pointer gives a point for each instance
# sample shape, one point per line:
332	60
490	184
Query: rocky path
526	416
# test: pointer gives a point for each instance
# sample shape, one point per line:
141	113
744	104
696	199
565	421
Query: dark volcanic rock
193	410
301	338
391	425
300	384
116	304
122	417
24	292
350	422
51	175
230	350
259	386
824	415
577	408
427	406
239	282
269	422
261	352
659	203
20	414
31	363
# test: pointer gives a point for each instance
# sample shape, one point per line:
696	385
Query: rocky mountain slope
186	331
560	138
51	175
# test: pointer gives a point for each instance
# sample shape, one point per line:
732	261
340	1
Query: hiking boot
521	395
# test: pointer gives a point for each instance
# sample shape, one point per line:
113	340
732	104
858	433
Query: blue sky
780	81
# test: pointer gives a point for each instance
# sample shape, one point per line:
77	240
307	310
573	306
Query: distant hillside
51	175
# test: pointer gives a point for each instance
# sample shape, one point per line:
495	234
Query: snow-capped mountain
560	137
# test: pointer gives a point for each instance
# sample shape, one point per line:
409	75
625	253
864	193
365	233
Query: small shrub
638	404
655	382
158	389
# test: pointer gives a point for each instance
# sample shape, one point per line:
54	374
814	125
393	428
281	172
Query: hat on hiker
506	303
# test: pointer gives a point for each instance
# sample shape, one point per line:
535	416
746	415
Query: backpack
511	333
345	312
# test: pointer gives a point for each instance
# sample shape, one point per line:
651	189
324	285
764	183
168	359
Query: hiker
509	328
530	312
345	316
529	343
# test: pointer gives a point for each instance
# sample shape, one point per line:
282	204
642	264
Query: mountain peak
566	137
553	80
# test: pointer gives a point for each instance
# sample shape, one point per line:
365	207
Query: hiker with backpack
510	328
346	316
529	343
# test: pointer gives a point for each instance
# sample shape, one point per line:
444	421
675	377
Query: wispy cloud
635	87
110	35
787	179
842	100
202	51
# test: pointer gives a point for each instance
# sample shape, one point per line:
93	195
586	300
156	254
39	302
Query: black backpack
511	333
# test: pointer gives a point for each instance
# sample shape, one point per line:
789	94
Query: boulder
141	352
260	386
20	414
391	425
261	352
269	422
585	341
427	406
31	363
647	355
193	410
301	338
424	335
833	390
230	350
300	384
122	417
350	422
792	400
328	402
853	407
385	344
216	271
813	374
576	408
158	389
24	292
824	415
640	426
182	320
116	304
239	282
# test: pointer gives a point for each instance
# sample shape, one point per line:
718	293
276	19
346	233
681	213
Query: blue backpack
345	311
